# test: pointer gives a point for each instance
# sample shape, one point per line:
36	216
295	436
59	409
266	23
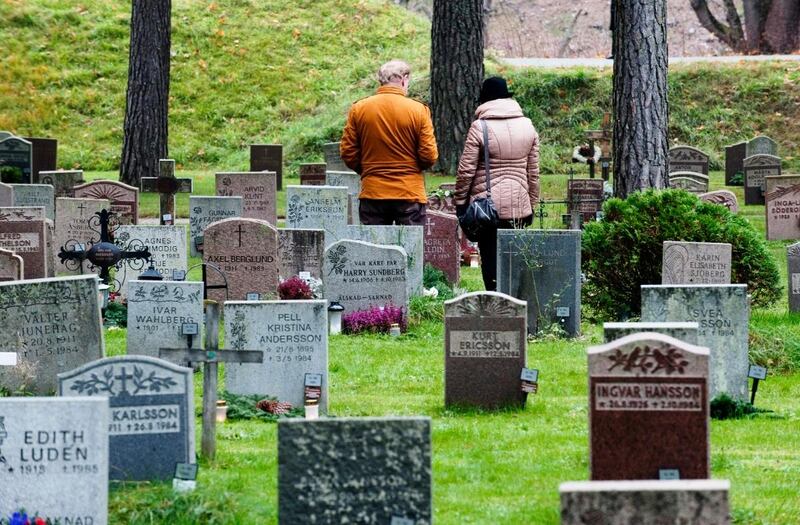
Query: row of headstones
24	158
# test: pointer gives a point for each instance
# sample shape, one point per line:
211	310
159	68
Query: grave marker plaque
723	313
793	262
205	210
53	325
294	338
152	413
696	263
485	341
782	207
585	196
325	465
62	181
55	458
35	195
124	199
648	408
687	158
257	190
16	160
756	169
268	157
442	244
300	250
543	267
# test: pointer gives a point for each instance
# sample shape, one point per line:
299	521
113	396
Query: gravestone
62	181
73	227
28	239
355	470
687	158
152	413
46	260
782	207
294	338
257	190
21	213
16	160
352	181
734	162
696	263
333	158
317	208
646	501
723	312
360	275
45	155
36	195
268	157
167	246
246	250
686	332
793	263
756	169
723	198
442	244
300	250
124	199
6	194
585	196
543	267
205	210
410	238
648	408
761	145
157	311
312	174
12	267
689	180
55	458
484	350
54	325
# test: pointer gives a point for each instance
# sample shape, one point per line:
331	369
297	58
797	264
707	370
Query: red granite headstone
586	195
442	244
268	157
28	239
257	190
246	250
45	155
312	174
782	207
648	408
485	341
124	199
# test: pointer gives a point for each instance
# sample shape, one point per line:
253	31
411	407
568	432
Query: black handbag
481	215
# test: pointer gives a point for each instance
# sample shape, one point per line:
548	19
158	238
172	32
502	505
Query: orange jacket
388	140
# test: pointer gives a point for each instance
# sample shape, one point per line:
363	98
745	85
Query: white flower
430	292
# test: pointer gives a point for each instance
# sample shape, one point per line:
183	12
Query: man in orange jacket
389	140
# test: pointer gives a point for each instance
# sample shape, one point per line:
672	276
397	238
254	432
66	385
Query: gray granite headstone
761	145
53	324
793	262
16	155
6	194
734	159
73	227
62	181
205	210
696	263
12	267
156	312
723	198
333	157
686	332
756	169
352	181
294	338
167	245
36	195
354	470
543	267
484	350
645	501
55	458
152	413
318	208
360	275
687	158
300	250
723	313
21	213
410	238
691	181
257	190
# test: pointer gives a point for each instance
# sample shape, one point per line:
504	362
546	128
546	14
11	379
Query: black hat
494	88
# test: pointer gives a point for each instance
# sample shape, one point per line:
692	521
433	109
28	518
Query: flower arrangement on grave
377	319
294	289
22	518
585	154
265	408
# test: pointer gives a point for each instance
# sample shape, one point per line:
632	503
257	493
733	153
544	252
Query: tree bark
781	26
456	74
641	111
147	101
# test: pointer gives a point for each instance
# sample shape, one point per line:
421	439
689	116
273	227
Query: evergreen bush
623	251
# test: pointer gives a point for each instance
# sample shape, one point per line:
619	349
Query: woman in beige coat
513	168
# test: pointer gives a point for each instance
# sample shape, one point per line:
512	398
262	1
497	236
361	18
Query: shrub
375	319
623	251
294	288
434	278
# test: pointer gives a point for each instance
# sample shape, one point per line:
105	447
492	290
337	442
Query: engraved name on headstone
257	190
205	210
696	263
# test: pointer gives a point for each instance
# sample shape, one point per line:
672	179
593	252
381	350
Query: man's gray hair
393	71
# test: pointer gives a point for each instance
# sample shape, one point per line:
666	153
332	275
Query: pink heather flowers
374	319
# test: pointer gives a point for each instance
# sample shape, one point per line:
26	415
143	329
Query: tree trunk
456	74
640	96
147	103
755	20
781	26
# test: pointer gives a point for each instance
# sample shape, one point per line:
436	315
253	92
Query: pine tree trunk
147	103
456	74
640	96
782	25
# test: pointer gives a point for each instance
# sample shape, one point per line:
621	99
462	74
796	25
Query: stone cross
210	357
167	186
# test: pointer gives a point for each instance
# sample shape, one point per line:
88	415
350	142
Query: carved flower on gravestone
151	382
294	210
238	331
337	257
649	360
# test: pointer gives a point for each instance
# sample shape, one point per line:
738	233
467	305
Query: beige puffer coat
513	156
